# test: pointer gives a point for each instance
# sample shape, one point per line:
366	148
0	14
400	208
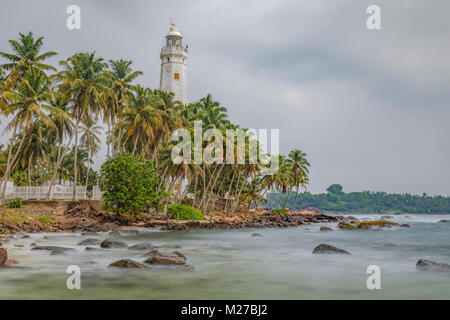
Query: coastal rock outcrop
89	242
113	244
328	249
256	234
429	265
3	255
325	229
354	224
52	248
165	258
141	246
127	264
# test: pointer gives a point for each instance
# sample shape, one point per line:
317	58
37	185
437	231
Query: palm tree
90	141
120	77
84	81
26	105
25	55
252	192
300	170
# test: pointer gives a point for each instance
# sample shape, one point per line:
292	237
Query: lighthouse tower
173	65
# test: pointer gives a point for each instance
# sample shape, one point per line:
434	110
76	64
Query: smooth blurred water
230	264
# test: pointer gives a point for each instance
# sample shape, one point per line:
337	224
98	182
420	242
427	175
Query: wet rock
387	217
33	244
376	223
127	264
25	237
443	221
328	249
164	258
3	255
58	252
348	225
177	253
429	265
128	231
349	218
51	248
19	245
141	246
404	225
150	253
113	243
91	249
325	229
256	234
89	242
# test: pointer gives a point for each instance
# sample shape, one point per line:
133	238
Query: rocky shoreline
80	216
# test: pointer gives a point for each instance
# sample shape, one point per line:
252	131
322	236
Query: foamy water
230	264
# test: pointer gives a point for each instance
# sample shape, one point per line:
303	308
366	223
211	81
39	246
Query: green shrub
129	185
15	203
280	211
184	212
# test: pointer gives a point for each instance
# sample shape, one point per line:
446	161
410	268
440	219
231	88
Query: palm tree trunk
285	202
89	168
10	166
29	169
195	190
295	202
240	191
228	194
75	158
248	207
281	197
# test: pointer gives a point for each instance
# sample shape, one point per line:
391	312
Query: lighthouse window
176	76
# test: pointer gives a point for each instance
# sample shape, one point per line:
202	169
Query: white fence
58	192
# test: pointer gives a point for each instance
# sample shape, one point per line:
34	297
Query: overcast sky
370	108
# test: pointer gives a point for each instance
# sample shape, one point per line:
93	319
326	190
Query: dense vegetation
56	116
184	212
365	202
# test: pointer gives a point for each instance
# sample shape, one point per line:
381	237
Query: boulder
177	253
141	246
429	265
150	253
89	242
25	237
348	225
328	249
51	248
3	255
404	225
387	217
325	228
127	264
90	249
164	258
376	223
113	243
58	252
256	234
444	221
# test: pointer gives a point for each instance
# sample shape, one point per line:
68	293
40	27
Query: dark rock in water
324	228
89	233
58	252
350	218
3	255
177	253
150	253
51	248
256	234
429	265
19	245
328	249
444	221
164	258
91	249
127	264
89	242
25	237
141	246
387	217
404	225
33	244
113	243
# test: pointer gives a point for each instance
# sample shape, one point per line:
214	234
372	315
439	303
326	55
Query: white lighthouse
173	65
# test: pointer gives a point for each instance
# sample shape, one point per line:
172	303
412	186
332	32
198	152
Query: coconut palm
120	78
90	141
27	106
84	81
300	170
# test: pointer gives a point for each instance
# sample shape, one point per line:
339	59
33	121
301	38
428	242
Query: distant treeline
362	202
